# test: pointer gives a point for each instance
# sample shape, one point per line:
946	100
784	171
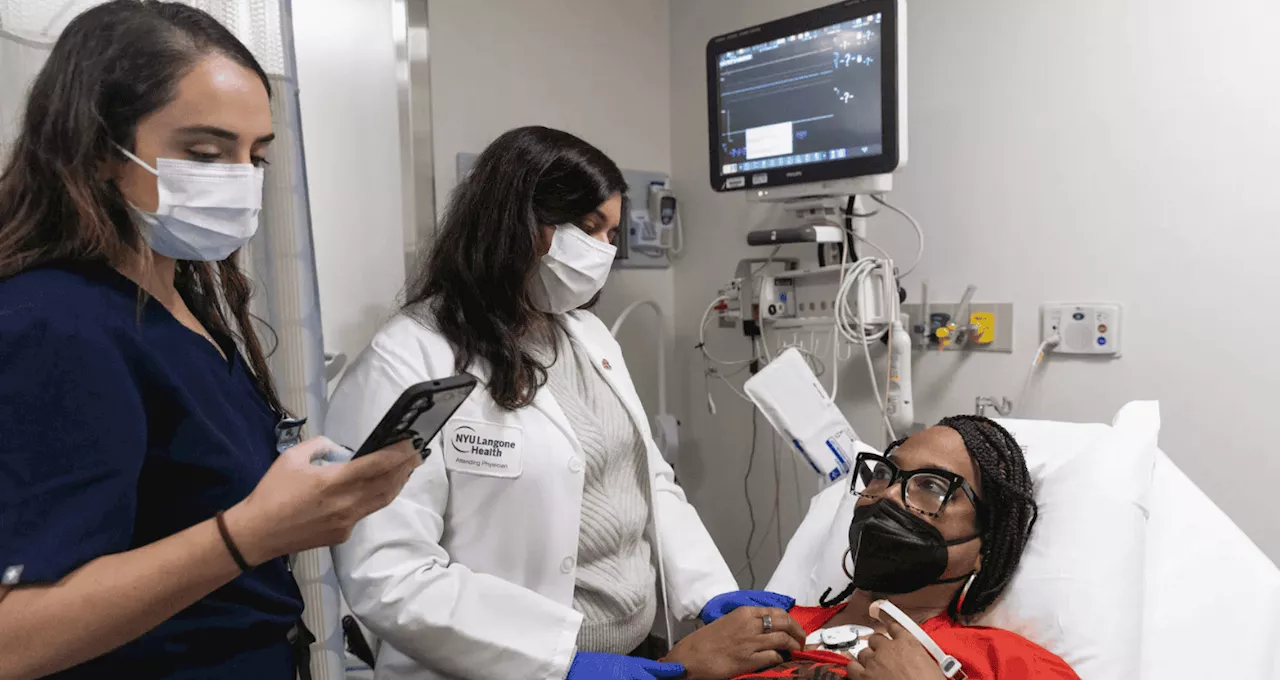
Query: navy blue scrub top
119	426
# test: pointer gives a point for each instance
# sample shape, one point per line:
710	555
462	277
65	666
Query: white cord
735	390
849	322
1049	343
816	364
879	198
949	666
662	345
835	344
709	372
878	249
768	261
702	336
677	250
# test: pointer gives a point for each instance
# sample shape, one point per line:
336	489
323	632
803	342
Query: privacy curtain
280	259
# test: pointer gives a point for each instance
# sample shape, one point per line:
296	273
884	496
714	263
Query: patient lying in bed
939	528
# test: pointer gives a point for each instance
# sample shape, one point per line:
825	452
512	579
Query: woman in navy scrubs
144	507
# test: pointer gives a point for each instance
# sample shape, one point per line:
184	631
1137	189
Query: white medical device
1081	328
810	111
777	298
849	639
793	401
814	97
948	664
898	407
656	228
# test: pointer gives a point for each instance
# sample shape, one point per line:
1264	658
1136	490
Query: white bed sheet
1212	597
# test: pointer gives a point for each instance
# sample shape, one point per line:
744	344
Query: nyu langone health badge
480	448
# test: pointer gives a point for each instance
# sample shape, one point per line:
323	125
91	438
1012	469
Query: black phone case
396	425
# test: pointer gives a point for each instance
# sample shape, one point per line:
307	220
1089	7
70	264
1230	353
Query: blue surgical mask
206	212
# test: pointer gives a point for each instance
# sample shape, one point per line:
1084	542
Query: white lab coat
472	576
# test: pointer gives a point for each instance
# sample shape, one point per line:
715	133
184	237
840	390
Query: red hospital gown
983	653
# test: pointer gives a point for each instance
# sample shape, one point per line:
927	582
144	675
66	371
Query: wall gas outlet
993	319
1087	329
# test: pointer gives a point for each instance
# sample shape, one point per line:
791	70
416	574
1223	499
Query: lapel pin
605	363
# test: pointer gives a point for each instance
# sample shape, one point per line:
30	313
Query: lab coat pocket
477	447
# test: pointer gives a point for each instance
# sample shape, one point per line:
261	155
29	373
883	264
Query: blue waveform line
779	82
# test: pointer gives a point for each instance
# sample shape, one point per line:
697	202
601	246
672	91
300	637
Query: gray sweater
616	582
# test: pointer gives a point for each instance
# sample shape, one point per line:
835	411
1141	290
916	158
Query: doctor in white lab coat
473	572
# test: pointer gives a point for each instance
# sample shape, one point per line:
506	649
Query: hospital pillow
1079	589
1049	444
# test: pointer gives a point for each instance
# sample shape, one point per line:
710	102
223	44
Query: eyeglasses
925	491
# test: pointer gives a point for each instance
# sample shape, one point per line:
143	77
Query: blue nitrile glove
723	604
598	666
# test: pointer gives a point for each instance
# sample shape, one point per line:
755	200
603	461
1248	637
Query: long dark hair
475	280
113	65
1010	499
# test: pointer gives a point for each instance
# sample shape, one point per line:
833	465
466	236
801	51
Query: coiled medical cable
849	320
702	336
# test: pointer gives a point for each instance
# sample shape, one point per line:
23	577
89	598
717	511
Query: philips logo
465	440
795	173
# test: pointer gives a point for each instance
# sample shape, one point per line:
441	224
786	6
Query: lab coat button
566	565
575	465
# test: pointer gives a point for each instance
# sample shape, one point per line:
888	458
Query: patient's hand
897	657
737	644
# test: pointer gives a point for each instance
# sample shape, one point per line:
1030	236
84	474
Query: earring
965	591
844	559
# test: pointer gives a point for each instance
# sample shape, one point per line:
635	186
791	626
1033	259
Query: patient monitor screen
807	98
790	103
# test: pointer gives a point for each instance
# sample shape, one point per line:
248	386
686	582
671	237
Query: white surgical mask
572	271
207	210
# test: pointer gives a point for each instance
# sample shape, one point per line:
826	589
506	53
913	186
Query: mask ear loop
137	160
826	600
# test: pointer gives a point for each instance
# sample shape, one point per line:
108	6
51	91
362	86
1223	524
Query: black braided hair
1011	508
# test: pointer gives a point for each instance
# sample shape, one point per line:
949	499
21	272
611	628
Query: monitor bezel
886	162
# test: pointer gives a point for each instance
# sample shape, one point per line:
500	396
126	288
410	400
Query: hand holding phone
420	413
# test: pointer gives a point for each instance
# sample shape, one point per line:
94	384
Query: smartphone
420	412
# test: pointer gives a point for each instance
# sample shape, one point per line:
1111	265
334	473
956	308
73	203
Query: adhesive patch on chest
476	447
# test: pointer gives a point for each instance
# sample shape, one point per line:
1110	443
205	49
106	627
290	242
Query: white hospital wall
599	69
350	125
1087	150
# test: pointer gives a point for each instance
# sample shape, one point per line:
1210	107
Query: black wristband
231	545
